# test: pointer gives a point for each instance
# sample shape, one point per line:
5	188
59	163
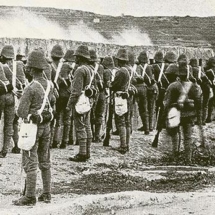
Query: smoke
25	24
132	37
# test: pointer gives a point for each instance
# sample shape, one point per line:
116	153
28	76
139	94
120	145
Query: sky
201	8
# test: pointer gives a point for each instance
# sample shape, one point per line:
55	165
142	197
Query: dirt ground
139	182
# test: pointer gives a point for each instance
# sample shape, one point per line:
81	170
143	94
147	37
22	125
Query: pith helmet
69	56
122	54
131	58
8	51
57	51
37	60
211	62
170	57
143	58
194	62
82	51
183	58
108	62
93	55
158	57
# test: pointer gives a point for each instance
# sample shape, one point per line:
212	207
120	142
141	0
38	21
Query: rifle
158	126
109	122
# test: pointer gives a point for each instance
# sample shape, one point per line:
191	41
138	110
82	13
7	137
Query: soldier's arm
197	92
25	103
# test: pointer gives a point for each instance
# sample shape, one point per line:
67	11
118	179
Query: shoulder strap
46	93
186	90
161	71
58	71
91	76
144	72
130	77
14	76
199	73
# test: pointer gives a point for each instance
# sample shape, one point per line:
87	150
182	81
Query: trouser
142	102
83	131
7	105
124	125
186	125
152	95
16	131
98	114
206	93
63	121
40	153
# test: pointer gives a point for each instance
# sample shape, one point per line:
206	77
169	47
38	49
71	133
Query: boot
79	158
45	197
63	145
3	154
25	201
141	129
55	145
115	132
29	198
82	155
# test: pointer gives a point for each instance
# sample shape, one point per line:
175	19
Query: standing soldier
15	74
98	110
56	55
82	78
147	92
120	87
210	73
108	64
7	103
30	103
187	98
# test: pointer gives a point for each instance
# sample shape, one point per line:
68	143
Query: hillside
165	31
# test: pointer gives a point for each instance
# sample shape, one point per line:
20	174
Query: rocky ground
144	181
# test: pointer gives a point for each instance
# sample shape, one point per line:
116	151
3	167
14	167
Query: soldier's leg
210	111
9	114
15	149
80	128
206	92
99	114
143	110
89	134
66	128
44	163
187	130
30	162
174	134
128	122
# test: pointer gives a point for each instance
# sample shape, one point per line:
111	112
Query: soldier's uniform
98	110
147	92
30	103
120	88
209	98
7	99
56	55
82	77
205	85
187	97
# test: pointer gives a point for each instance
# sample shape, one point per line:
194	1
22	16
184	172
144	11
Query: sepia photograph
107	107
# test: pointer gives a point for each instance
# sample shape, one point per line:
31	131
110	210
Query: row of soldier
104	82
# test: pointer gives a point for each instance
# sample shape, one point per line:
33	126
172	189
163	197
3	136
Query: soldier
56	55
108	64
186	97
147	92
82	78
98	110
205	85
210	73
120	87
7	103
30	103
15	74
171	71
